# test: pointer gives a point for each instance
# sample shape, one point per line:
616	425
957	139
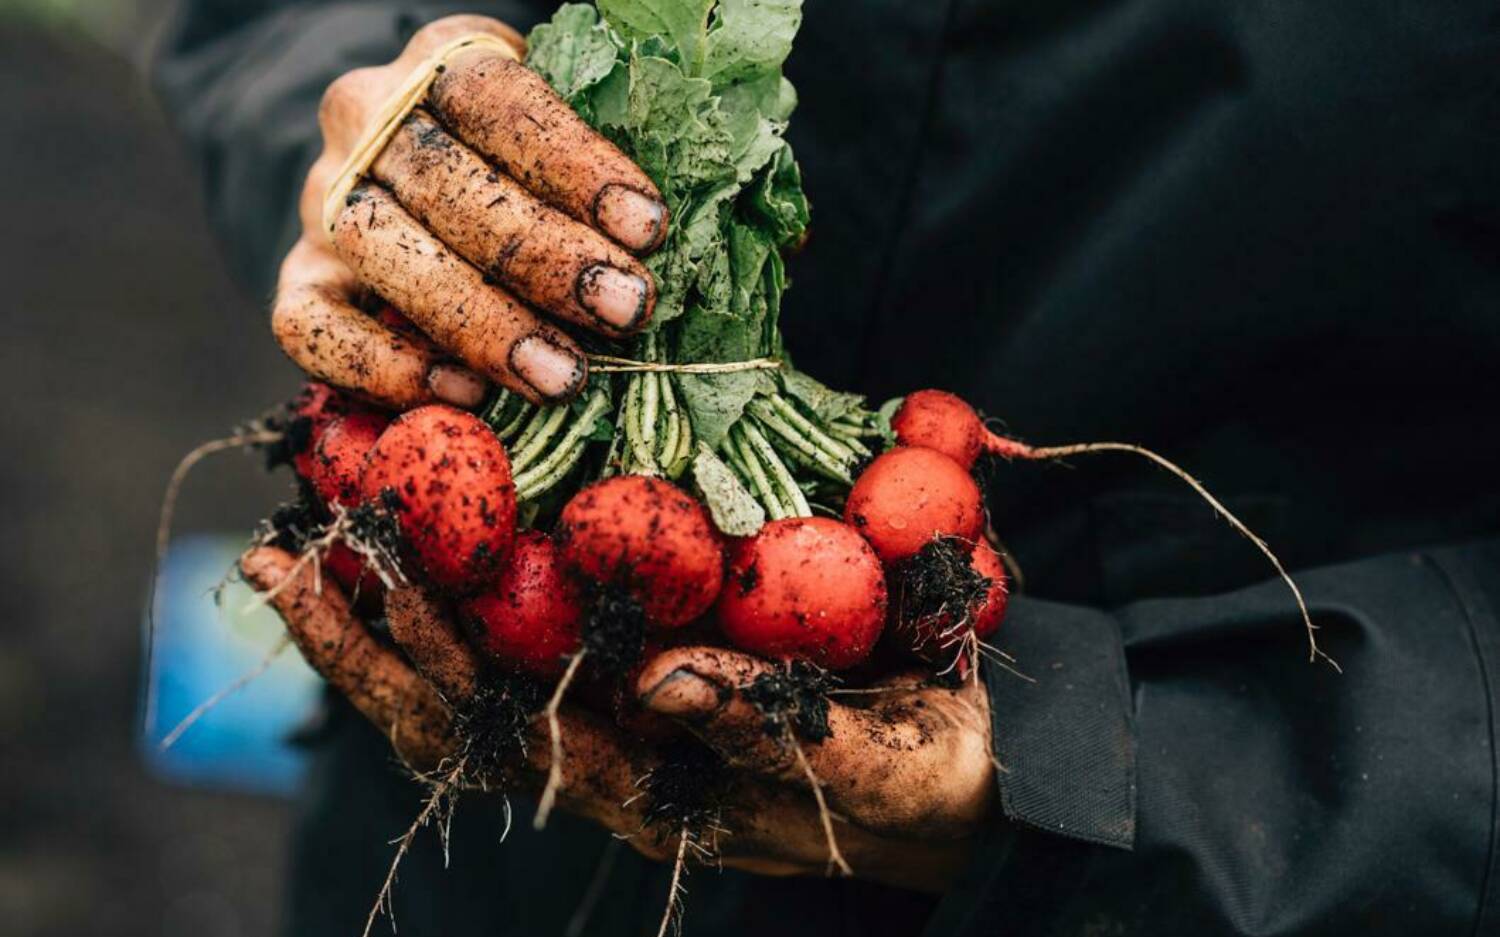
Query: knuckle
448	28
287	314
344	101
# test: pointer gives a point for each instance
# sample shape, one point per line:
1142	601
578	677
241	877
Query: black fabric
1262	238
1061	713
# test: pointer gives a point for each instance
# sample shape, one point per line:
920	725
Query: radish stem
524	454
795	500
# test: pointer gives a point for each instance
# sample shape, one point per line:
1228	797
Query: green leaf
750	39
883	417
716	401
574	51
827	403
777	200
734	510
677	133
681	22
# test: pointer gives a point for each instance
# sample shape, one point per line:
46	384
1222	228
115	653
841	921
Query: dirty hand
492	203
908	780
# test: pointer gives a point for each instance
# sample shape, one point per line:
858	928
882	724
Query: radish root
1014	449
676	890
440	794
554	730
254	436
379	559
825	816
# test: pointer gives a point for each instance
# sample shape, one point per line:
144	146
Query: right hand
492	200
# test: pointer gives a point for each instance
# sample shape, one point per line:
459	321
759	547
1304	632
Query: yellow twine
609	364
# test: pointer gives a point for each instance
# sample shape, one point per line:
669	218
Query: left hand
909	779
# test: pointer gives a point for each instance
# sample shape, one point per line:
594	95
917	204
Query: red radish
936	419
908	496
984	620
447	478
924	618
360	584
650	538
645	537
804	587
939	420
339	454
318	405
532	617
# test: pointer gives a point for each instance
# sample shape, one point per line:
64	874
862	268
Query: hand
493	201
909	780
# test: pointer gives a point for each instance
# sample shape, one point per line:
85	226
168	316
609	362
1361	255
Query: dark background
119	322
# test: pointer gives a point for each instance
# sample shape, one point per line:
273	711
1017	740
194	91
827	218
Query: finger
547	258
338	645
511	116
318	326
876	765
432	643
485	327
600	769
350	102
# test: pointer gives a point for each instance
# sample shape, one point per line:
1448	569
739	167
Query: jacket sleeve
1178	767
241	81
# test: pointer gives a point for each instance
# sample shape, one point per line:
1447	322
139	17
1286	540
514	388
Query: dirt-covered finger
511	116
545	257
449	300
875	765
318	325
433	644
600	769
338	645
704	688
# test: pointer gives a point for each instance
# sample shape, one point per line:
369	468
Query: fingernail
456	385
684	693
631	217
552	370
617	297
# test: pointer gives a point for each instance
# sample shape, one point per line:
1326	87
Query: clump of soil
492	725
793	698
292	524
686	791
938	586
614	631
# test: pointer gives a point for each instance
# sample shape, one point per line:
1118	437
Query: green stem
850	438
507	413
671	437
532	447
561	459
779	473
650	407
534	424
811	454
685	442
744	457
822	440
635	438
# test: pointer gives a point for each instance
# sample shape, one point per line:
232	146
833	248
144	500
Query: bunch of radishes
815	589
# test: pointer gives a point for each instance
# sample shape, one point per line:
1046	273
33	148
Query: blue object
202	648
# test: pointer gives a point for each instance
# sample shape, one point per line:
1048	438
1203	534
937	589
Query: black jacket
1264	239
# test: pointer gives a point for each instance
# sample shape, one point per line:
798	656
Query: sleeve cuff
1062	733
